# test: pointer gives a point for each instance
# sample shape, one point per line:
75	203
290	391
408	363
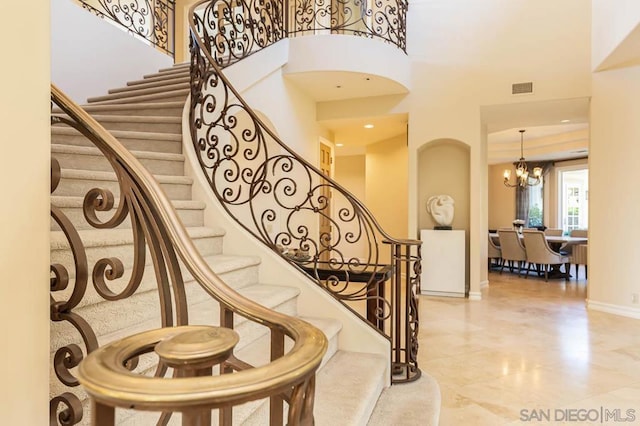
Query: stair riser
189	217
166	74
175	128
177	96
143	84
140	91
79	187
132	144
176	67
100	163
159	78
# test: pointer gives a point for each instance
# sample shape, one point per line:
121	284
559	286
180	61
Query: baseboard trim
475	295
625	311
484	283
442	293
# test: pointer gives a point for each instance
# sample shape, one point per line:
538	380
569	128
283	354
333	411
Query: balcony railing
283	200
380	19
151	20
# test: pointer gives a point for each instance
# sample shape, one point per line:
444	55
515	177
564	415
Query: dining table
558	243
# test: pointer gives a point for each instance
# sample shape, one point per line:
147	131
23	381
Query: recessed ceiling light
565	121
368	126
339	145
338	87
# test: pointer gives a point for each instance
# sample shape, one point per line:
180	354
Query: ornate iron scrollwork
280	198
380	19
234	29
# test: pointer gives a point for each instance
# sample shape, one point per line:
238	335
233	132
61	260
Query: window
536	206
573	199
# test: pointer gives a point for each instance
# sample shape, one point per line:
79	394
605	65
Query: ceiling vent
522	88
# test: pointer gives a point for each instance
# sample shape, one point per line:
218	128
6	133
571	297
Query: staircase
146	117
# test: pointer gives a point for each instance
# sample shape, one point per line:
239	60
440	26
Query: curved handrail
155	220
256	177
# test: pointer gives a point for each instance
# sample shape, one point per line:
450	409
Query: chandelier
522	173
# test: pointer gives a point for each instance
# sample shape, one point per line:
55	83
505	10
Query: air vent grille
522	88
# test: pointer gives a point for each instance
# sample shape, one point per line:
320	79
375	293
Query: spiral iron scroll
153	20
70	280
234	29
279	198
381	19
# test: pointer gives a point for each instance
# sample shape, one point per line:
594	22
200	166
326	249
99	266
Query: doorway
326	161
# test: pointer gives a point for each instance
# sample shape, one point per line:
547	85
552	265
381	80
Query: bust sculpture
441	209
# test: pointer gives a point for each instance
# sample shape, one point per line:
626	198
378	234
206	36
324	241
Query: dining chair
494	253
553	232
539	253
579	257
581	233
512	249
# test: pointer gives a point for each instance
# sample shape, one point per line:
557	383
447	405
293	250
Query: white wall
89	55
614	198
613	21
24	218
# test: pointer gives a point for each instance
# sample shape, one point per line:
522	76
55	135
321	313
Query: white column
24	217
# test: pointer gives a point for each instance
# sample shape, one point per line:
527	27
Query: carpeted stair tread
159	78
125	134
138	118
348	387
111	176
170	72
116	237
140	91
139	84
238	272
178	66
151	107
66	201
87	150
172	95
416	403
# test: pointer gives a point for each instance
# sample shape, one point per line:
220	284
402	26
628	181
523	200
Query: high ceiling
555	129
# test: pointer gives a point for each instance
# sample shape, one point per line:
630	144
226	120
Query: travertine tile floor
530	351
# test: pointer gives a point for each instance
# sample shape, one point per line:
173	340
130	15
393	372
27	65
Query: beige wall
386	184
614	203
443	168
502	200
350	172
24	218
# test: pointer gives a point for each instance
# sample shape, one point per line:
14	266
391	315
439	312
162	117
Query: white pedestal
443	263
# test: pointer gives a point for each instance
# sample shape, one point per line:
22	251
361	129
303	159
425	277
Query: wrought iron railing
295	209
81	279
151	20
380	19
234	29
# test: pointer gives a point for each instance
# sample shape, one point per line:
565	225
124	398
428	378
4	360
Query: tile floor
530	345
